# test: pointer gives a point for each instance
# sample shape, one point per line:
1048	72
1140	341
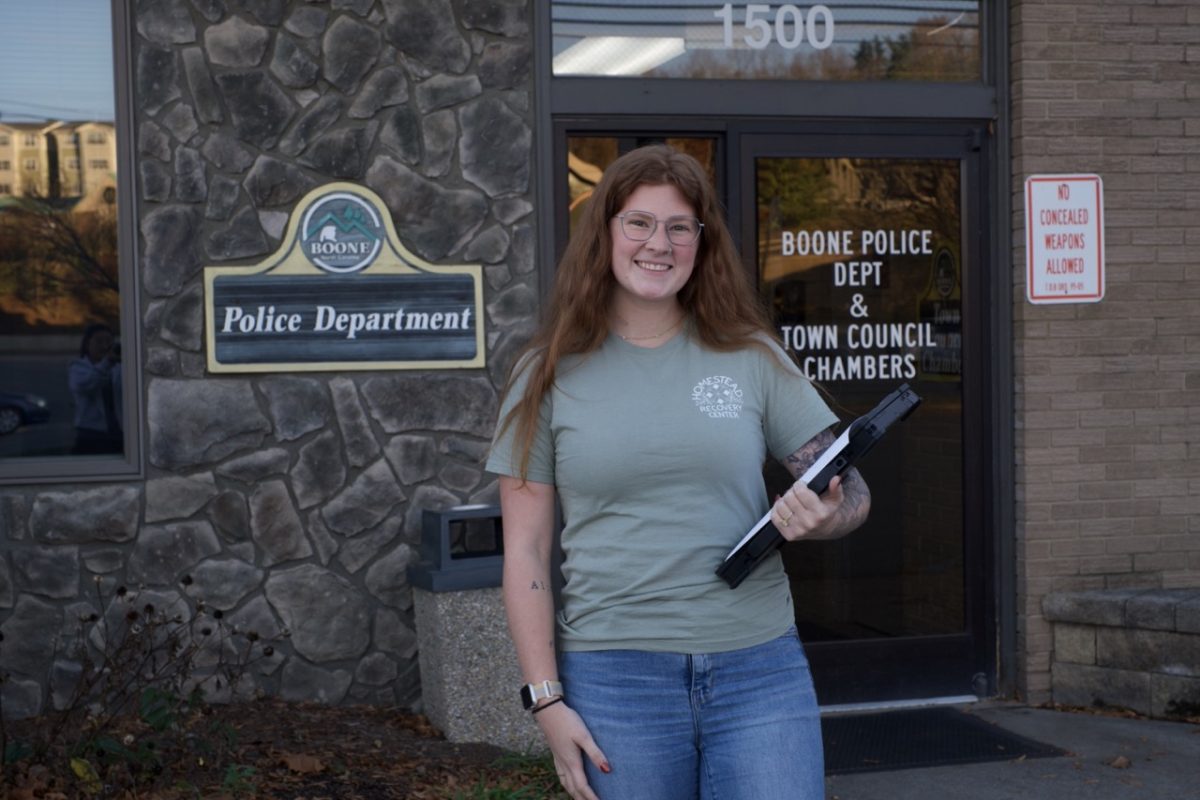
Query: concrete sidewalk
1164	763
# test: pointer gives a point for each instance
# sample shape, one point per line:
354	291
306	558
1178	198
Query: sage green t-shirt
657	457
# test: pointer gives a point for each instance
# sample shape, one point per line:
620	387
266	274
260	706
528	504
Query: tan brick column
1108	394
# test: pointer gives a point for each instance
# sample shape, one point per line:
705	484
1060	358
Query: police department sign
342	293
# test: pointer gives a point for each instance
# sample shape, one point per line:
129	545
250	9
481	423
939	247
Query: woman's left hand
801	514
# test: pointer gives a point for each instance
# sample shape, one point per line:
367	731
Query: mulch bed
284	751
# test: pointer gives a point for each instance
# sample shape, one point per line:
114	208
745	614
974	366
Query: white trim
893	705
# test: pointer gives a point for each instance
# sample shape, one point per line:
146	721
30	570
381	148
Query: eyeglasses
639	226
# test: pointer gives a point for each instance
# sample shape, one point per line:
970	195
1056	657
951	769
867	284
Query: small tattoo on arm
538	586
799	461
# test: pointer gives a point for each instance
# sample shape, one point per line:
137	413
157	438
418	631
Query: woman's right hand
569	741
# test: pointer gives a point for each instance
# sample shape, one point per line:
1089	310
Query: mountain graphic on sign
351	220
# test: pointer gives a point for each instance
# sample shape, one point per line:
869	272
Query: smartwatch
532	693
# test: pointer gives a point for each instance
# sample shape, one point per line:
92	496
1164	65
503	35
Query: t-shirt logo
719	397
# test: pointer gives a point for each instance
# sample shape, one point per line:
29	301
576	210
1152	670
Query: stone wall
293	503
1137	649
1108	394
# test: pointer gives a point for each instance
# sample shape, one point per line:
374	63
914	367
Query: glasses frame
699	230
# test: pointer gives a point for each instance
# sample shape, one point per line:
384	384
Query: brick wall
1108	394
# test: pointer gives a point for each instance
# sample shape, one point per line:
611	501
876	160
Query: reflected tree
936	49
53	256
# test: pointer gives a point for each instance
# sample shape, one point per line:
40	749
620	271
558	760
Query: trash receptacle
461	548
469	671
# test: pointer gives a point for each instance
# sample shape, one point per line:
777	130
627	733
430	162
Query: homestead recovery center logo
341	233
719	397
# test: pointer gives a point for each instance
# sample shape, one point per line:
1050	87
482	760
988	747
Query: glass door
863	249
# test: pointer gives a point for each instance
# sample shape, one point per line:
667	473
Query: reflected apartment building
57	159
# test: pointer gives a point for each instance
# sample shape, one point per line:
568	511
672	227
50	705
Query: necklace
663	332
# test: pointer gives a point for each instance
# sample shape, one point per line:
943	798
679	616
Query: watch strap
533	693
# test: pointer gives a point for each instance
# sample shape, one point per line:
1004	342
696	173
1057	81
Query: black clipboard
855	442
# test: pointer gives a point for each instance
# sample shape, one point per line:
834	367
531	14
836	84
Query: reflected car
18	409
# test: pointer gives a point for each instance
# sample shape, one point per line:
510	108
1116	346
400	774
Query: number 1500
790	29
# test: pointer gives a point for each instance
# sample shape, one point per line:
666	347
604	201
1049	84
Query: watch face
532	692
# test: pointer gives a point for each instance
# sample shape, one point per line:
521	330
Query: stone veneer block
1085	685
1098	607
1174	696
1075	644
1187	616
1155	609
469	671
1129	648
1151	651
22	699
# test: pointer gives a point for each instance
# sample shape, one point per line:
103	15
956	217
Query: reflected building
56	159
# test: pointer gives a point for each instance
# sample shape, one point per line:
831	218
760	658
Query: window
66	247
5	165
857	40
5	141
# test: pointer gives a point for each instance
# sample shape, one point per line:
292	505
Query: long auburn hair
724	309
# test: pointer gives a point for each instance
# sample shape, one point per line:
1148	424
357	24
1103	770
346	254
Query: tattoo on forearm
539	586
856	499
799	461
856	495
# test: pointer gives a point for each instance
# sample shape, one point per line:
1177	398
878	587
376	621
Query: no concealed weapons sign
1065	252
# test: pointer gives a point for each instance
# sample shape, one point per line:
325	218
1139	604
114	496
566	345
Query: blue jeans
738	725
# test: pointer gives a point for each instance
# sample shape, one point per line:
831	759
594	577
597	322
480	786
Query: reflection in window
589	156
909	40
61	381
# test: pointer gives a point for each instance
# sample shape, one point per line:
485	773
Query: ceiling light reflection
617	55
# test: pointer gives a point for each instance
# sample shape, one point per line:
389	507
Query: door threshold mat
920	737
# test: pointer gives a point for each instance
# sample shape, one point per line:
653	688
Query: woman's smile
653	266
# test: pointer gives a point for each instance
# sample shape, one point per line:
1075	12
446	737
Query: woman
647	402
95	383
